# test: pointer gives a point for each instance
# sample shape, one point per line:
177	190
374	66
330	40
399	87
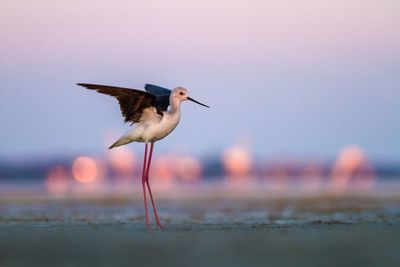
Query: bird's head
181	94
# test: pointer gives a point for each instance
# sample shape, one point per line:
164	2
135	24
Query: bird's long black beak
197	102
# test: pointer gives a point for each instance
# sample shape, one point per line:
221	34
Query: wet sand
204	227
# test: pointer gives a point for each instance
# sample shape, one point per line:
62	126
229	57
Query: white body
152	130
152	126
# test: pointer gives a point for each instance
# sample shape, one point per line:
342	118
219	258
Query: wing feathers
132	102
156	90
162	94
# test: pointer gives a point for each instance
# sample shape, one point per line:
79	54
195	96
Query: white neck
175	105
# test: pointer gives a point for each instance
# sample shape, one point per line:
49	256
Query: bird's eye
181	93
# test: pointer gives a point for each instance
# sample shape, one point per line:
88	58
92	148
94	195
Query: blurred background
302	92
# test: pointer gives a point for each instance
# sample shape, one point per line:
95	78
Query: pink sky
327	71
250	30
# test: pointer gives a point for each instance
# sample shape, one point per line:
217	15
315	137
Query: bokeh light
84	170
188	168
57	180
162	171
351	168
122	161
237	161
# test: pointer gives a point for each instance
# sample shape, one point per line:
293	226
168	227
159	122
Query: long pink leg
143	186
148	186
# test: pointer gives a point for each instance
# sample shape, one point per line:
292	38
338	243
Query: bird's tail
122	141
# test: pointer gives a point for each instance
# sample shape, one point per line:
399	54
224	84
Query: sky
285	78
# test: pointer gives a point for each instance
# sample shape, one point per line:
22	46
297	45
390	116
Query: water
213	224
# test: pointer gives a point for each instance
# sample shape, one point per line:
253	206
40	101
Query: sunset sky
286	78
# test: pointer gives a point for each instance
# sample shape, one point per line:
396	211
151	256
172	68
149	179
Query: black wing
162	103
132	102
162	94
157	90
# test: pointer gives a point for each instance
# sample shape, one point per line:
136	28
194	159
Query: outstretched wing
162	96
132	102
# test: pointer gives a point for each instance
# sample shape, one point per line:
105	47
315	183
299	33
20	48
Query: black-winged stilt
152	119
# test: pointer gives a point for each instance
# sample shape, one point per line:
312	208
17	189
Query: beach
204	226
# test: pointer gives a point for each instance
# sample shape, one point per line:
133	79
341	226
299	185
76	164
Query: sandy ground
203	228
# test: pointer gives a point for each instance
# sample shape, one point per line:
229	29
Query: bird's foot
160	226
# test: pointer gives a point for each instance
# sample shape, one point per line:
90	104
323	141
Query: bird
153	114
